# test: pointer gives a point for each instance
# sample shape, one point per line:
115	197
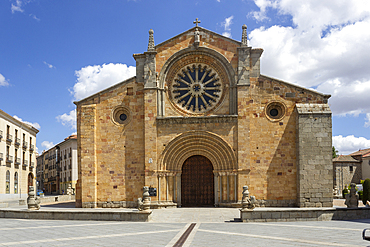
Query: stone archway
197	183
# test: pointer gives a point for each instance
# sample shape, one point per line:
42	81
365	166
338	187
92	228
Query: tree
335	152
366	191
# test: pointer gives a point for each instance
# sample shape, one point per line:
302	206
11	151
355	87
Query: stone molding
197	120
210	145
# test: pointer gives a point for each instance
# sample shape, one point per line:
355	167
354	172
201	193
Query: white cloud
17	7
263	5
349	144
3	81
367	120
35	17
47	145
328	48
226	24
92	79
68	119
49	65
35	125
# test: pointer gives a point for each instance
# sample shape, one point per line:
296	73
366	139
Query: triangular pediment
203	32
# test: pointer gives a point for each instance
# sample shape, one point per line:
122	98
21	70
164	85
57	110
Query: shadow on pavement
59	205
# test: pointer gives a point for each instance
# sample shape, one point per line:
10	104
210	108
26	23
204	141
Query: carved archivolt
210	145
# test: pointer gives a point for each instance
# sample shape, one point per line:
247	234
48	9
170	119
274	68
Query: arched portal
197	183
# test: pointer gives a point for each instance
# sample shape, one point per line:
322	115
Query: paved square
19	232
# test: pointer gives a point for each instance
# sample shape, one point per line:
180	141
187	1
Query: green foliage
366	191
335	152
344	192
360	194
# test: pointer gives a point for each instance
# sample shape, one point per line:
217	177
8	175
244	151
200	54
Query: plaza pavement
213	227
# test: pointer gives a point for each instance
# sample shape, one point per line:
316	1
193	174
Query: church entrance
197	182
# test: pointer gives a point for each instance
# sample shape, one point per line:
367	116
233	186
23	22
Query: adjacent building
58	167
351	168
17	157
196	124
68	163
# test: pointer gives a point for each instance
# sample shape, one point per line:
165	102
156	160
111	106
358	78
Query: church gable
225	46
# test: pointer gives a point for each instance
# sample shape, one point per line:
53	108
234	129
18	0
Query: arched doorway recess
197	182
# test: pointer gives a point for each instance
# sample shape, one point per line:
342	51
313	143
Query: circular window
121	115
196	89
275	111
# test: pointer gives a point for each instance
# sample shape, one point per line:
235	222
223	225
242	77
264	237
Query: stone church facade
196	124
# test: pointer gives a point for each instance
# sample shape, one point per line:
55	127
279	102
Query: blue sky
55	52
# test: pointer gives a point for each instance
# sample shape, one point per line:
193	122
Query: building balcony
17	141
1	156
9	138
32	147
25	163
69	155
9	159
25	145
17	161
1	134
32	165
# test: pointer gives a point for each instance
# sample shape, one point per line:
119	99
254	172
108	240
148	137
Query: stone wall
314	156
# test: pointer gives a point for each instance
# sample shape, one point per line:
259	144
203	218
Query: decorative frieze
197	120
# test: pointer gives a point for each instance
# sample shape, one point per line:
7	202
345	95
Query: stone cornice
197	120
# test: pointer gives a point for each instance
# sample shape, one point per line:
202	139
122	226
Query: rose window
196	89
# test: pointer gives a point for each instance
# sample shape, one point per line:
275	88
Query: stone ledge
303	214
139	216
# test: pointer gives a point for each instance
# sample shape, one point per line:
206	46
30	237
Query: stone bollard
33	202
69	189
144	204
352	197
247	203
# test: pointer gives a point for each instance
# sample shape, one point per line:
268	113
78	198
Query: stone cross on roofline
196	22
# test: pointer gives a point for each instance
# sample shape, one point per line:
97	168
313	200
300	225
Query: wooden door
197	182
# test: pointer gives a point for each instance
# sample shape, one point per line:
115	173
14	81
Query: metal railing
9	138
25	162
32	147
25	144
32	165
1	134
9	158
17	141
17	161
1	156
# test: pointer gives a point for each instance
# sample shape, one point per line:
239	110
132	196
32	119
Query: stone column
174	189
178	189
166	179
221	189
235	188
159	188
216	188
228	188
